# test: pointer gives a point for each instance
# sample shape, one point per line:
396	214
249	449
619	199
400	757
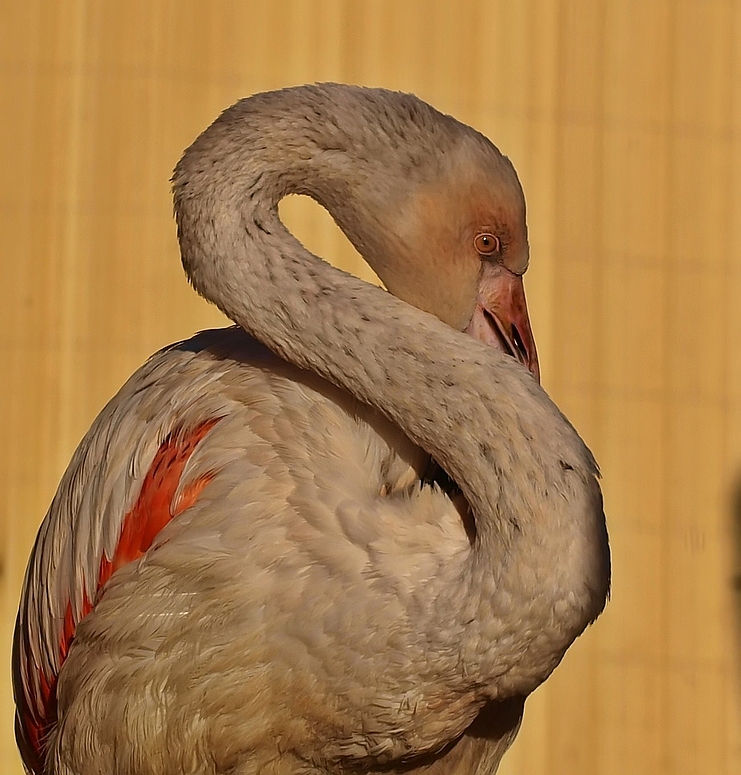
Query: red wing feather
154	508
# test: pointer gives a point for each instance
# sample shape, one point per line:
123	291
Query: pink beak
500	318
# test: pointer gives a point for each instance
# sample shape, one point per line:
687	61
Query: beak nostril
519	344
496	325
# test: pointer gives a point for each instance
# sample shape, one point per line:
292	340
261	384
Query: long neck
473	409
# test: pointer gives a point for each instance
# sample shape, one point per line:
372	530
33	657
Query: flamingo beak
500	318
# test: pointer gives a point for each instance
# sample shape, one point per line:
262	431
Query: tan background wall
624	120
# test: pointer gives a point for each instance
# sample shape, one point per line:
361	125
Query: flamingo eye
486	244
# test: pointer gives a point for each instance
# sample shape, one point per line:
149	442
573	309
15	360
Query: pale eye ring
486	244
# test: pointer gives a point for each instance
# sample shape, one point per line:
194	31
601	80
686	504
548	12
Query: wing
135	470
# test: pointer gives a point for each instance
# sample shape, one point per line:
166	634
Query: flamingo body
245	568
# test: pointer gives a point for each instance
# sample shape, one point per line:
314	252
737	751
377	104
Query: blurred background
623	118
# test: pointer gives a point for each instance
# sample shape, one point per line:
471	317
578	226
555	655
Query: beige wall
624	120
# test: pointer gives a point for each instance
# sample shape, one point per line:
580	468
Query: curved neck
455	397
475	410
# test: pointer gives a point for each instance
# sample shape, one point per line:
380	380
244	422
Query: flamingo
351	533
